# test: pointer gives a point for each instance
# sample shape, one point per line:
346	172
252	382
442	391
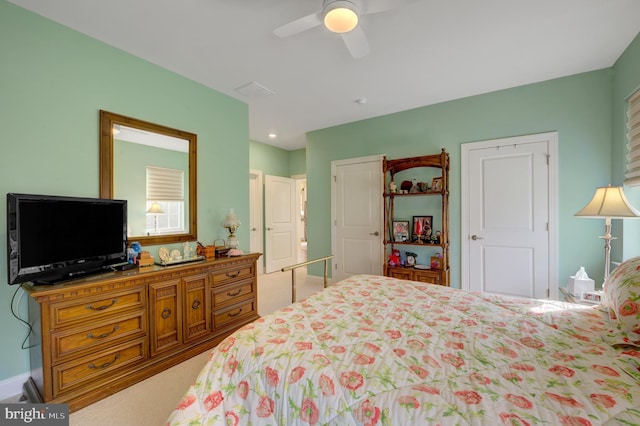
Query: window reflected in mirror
153	168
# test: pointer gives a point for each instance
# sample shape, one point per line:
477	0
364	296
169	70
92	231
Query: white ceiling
425	52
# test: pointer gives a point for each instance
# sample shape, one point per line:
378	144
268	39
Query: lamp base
232	242
607	247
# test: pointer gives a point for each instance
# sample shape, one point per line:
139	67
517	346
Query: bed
374	350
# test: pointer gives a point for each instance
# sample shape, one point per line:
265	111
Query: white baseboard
12	386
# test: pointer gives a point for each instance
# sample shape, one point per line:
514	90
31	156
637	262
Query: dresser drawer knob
105	365
237	313
235	293
103	335
233	275
166	313
196	304
103	307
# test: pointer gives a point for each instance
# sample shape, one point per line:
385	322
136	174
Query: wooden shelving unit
391	168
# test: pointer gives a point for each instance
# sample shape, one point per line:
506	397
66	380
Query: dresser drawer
233	293
431	277
76	340
401	273
98	306
235	314
235	274
97	368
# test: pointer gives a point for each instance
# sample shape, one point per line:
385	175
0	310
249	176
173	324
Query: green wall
53	82
579	108
276	161
298	162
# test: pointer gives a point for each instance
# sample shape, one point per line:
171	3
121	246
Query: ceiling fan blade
375	6
356	42
299	25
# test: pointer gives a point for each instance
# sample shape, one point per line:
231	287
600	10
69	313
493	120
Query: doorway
256	209
301	216
280	222
509	216
356	216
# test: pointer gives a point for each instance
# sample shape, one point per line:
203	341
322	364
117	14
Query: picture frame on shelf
421	229
436	184
400	231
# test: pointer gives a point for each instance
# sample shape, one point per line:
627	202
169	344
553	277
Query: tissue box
577	287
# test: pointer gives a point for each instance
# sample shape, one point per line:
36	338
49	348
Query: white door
357	217
255	215
280	221
509	214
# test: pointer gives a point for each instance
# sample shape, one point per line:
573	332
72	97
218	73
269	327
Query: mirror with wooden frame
153	167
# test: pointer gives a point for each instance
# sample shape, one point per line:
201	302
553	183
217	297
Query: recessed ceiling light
272	135
361	101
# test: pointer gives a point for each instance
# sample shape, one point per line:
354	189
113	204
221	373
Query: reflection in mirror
152	167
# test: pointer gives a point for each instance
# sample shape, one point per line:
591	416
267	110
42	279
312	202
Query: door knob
475	237
269	229
375	233
253	229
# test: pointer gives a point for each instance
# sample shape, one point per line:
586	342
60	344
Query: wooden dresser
98	335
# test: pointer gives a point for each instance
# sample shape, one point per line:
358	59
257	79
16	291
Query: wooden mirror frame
107	121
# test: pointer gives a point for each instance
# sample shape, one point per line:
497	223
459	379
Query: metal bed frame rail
293	268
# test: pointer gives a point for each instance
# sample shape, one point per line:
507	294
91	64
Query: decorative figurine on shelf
394	258
411	258
134	252
437	237
436	261
187	250
426	232
392	187
414	187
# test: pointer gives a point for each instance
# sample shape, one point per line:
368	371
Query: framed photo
400	231
436	262
421	229
436	184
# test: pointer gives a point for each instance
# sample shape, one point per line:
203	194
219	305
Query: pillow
622	300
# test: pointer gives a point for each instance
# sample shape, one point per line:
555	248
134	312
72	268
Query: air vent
254	90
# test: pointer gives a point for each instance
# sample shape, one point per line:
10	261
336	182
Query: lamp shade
155	208
340	16
231	220
609	201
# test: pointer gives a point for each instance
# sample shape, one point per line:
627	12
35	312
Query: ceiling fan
341	16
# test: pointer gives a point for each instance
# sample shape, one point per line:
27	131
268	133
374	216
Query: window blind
165	184
632	176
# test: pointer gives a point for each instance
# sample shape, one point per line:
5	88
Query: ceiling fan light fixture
340	16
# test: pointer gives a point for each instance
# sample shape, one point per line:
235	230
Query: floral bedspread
375	350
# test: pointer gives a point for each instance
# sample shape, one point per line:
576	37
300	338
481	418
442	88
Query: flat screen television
56	238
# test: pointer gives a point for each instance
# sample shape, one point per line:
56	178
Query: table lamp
155	209
231	222
609	202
